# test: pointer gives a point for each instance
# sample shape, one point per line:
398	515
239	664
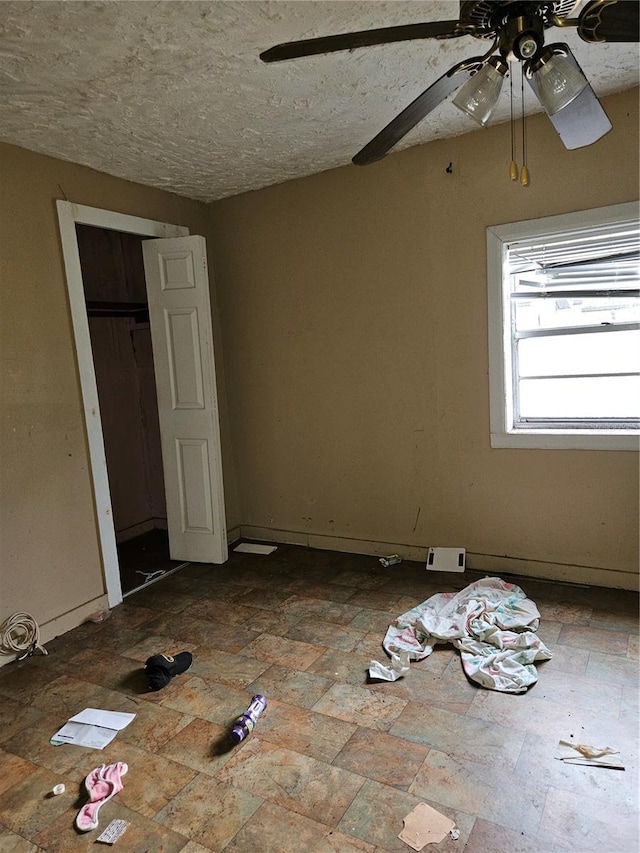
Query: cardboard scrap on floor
424	825
113	832
254	548
594	756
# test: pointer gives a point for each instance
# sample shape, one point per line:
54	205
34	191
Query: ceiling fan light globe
479	95
559	82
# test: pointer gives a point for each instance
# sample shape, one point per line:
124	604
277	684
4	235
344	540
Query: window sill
567	440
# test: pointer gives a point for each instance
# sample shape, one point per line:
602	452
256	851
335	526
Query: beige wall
49	555
354	314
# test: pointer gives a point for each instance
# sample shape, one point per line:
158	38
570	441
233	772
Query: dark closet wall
115	290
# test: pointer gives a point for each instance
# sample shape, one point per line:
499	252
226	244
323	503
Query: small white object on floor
399	667
113	832
57	790
455	833
446	559
594	756
424	825
149	576
100	616
391	560
254	548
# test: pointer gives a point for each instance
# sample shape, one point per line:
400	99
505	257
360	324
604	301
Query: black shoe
160	669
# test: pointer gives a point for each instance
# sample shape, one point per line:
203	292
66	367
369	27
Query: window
564	330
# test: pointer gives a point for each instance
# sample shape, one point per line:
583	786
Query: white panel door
181	331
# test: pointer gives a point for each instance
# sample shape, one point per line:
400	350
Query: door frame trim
70	215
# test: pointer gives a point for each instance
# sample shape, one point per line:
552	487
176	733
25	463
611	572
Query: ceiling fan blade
364	38
610	20
583	121
415	112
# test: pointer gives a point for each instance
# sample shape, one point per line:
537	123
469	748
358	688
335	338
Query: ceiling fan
517	32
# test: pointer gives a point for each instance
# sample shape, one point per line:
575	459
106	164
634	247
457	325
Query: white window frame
503	433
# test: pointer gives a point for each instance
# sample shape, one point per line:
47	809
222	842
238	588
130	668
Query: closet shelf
137	310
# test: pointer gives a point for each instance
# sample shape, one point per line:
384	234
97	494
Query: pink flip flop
101	784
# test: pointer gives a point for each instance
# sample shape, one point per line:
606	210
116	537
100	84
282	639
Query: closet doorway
118	315
177	287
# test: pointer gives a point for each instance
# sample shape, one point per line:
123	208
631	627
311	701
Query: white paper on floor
582	753
399	667
255	548
93	728
491	622
424	825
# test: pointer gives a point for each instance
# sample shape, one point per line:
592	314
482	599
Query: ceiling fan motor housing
518	24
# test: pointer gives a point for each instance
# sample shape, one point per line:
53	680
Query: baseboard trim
524	567
139	529
565	573
234	534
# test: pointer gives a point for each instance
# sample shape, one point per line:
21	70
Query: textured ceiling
173	94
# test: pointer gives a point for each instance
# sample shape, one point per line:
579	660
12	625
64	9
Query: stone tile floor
335	763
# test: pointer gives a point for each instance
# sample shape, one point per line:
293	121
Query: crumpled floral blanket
492	622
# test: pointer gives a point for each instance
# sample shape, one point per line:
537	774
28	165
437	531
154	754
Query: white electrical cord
20	634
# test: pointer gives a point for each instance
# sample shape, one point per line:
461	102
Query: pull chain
524	172
513	168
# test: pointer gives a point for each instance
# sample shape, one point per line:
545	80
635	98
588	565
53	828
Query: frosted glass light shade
480	93
559	82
